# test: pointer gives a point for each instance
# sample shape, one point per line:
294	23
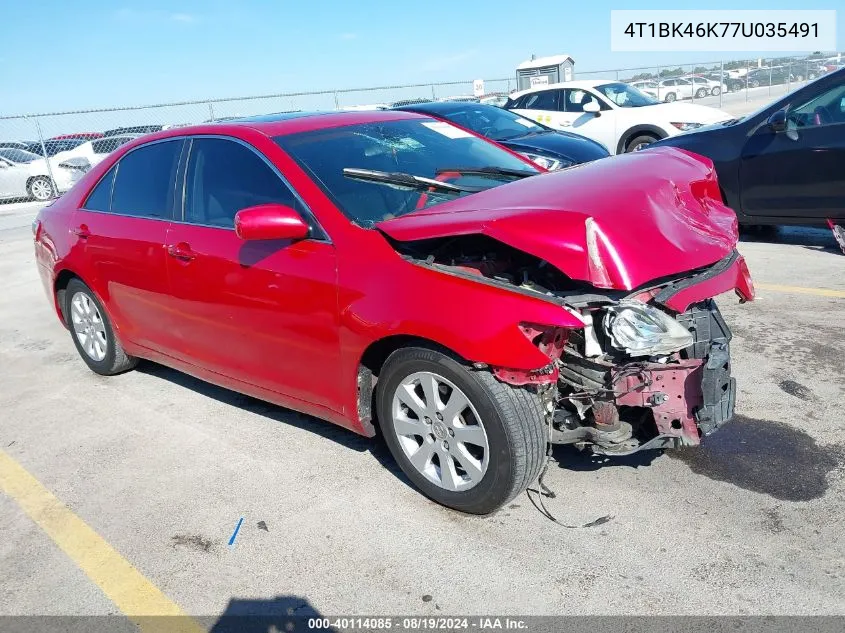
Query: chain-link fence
74	141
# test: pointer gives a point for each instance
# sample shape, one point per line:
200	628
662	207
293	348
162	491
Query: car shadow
570	458
811	237
346	438
283	613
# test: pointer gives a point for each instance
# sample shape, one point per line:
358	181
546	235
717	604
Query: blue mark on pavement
235	533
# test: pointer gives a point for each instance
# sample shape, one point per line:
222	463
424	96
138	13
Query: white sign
540	81
447	129
567	73
722	30
478	87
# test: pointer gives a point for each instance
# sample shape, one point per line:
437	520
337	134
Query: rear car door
261	312
542	106
799	173
121	229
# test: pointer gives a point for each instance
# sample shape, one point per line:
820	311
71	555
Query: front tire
40	188
466	440
92	332
671	97
700	93
638	142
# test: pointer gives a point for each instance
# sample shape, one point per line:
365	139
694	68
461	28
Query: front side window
17	155
107	145
224	177
828	108
344	160
145	181
574	100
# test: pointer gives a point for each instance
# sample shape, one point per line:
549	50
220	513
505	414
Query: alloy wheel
88	326
41	189
440	431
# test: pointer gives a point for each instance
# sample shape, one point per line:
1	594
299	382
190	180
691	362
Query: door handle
81	232
181	251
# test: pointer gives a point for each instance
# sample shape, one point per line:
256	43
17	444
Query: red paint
663	200
88	136
288	320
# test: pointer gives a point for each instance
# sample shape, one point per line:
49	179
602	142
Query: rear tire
511	419
716	91
638	142
92	332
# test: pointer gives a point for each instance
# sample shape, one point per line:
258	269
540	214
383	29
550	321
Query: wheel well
369	368
640	130
62	280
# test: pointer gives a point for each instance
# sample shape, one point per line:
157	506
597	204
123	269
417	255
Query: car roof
286	123
577	83
442	107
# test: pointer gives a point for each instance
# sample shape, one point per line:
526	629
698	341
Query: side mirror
592	106
777	122
270	222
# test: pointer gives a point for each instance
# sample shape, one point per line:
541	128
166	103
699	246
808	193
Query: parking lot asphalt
161	467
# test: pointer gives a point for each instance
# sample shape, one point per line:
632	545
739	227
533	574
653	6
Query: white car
648	87
617	115
670	90
26	175
706	86
89	153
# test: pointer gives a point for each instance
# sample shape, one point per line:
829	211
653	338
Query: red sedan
87	136
388	270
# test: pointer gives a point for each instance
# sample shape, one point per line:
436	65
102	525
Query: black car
769	76
785	163
134	129
543	145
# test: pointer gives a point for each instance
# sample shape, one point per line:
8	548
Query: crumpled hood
618	222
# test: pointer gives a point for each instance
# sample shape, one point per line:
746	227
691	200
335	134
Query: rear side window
145	181
100	198
545	100
106	145
224	177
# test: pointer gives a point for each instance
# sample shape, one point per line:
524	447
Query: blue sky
67	55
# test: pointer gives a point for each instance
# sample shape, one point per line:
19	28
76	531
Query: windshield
493	122
625	96
17	155
422	148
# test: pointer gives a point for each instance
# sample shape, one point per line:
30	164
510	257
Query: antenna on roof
533	57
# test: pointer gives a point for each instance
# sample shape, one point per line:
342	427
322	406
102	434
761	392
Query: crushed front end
622	388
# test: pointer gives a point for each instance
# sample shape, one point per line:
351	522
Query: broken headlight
643	330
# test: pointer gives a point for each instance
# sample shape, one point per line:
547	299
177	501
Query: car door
599	126
798	173
685	88
261	312
121	229
12	179
542	106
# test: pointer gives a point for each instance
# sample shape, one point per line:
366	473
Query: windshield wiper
488	172
408	181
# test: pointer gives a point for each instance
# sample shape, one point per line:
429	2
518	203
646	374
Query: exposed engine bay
639	375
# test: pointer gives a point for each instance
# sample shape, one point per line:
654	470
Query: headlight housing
684	127
643	330
547	162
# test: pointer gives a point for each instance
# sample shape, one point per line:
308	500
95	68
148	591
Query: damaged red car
387	270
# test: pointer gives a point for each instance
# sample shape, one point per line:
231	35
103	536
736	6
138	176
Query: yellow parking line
124	585
819	292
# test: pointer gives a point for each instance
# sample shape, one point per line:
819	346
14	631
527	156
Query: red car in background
88	136
385	269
